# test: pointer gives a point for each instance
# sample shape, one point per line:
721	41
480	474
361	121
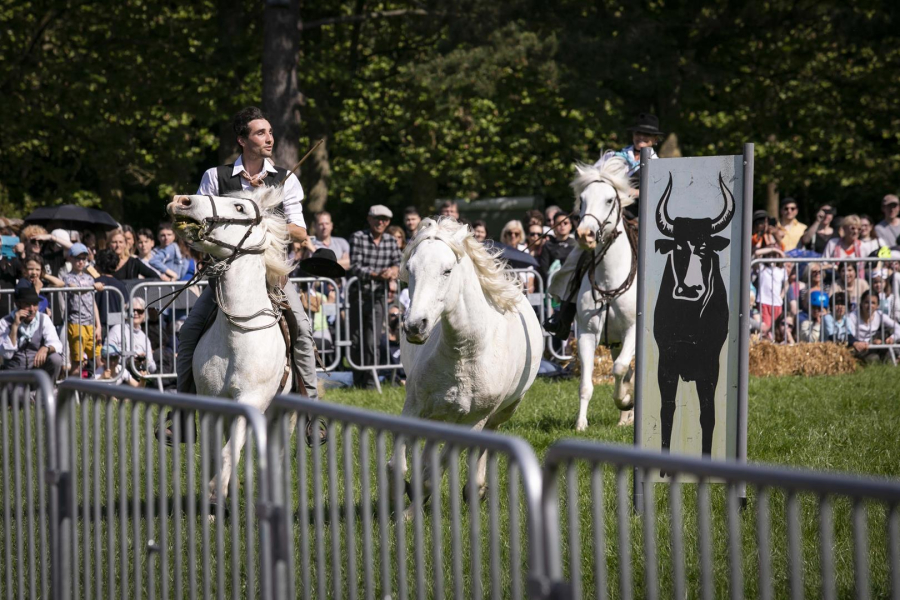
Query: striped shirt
368	258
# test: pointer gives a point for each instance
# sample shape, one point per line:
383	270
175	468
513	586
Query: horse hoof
482	492
581	424
627	418
626	403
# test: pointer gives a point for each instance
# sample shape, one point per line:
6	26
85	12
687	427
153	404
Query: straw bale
603	364
774	360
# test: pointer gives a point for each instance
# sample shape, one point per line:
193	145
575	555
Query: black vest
232	183
24	356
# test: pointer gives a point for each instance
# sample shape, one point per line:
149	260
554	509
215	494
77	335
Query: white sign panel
690	246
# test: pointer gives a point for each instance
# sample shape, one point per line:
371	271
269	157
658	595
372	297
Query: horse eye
240	208
448	271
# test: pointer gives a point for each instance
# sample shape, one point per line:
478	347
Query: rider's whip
302	160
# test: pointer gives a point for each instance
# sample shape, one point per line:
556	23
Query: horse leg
481	467
587	345
231	455
623	373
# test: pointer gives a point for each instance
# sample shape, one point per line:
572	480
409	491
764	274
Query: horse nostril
183	201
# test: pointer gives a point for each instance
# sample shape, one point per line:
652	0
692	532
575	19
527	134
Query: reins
600	294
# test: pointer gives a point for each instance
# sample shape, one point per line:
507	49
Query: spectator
839	306
536	240
144	364
51	247
820	232
411	220
167	259
399	235
145	244
28	339
887	302
128	232
83	321
34	276
819	327
533	217
812	284
889	228
784	329
762	242
190	259
849	283
549	215
449	208
513	235
479	230
324	239
374	260
772	287
793	228
109	302
868	239
127	266
867	326
558	246
848	243
90	241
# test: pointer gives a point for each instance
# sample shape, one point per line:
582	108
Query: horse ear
461	234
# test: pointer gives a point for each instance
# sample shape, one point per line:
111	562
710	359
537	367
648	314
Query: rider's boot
559	325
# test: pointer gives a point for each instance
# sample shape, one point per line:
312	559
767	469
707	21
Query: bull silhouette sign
691	306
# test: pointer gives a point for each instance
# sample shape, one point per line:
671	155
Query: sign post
693	308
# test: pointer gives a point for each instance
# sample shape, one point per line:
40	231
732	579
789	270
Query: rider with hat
645	133
252	169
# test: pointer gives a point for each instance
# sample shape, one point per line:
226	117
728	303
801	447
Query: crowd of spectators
83	334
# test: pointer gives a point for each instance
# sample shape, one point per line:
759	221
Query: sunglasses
138	311
788	208
892	205
534	234
35	241
515	233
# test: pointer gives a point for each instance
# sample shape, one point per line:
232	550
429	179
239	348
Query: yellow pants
81	341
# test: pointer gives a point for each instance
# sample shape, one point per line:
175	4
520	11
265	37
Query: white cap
61	234
380	210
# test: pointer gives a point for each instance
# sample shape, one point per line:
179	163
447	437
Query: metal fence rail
136	510
347	530
29	537
711	545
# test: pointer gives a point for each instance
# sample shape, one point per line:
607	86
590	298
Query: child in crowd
772	286
35	276
83	318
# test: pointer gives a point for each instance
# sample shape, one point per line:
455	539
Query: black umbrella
517	259
71	214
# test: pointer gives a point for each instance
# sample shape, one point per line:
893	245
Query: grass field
830	423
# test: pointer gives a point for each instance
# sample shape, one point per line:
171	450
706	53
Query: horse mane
612	169
275	226
502	288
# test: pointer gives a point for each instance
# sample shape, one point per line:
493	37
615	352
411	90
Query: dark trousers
51	366
365	335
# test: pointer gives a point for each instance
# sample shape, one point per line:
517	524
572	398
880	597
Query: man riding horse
252	169
564	287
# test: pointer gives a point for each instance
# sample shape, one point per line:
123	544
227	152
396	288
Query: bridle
600	294
236	250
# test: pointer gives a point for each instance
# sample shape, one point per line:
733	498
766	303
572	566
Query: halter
209	222
600	294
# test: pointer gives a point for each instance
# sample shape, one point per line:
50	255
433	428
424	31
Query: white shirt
771	283
50	337
293	191
139	344
865	332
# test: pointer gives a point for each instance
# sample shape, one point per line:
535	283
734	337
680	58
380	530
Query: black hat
760	215
785	201
323	263
27	293
646	123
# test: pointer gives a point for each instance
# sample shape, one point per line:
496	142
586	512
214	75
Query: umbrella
516	258
71	214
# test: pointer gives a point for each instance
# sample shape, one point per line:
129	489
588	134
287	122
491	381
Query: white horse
242	355
607	306
472	344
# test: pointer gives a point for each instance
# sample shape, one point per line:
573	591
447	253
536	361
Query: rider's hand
41	356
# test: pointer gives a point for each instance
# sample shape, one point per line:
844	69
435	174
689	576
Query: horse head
246	222
430	268
601	192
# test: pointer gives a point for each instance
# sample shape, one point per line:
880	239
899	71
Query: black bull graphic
690	322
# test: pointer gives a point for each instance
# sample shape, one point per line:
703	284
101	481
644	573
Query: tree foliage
122	104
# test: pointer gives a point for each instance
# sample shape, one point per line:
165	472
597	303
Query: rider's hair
106	261
241	121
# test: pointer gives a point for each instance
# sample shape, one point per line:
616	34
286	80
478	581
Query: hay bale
775	360
603	364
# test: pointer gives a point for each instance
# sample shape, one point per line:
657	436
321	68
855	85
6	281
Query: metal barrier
374	321
548	339
360	544
785	314
712	546
536	297
30	537
324	311
135	514
58	305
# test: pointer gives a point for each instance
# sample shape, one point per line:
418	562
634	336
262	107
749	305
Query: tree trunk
279	73
316	177
772	197
231	21
424	191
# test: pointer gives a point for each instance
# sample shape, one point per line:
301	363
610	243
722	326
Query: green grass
826	423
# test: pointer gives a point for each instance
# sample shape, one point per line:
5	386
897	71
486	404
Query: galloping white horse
242	355
472	343
607	298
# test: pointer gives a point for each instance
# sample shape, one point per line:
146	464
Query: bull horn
663	222
724	219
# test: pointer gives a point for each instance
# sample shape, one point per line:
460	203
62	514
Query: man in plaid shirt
374	260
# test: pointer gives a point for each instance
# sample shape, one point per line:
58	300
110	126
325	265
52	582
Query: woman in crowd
820	232
145	245
850	283
536	240
868	239
479	230
140	346
128	232
128	266
513	235
399	235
